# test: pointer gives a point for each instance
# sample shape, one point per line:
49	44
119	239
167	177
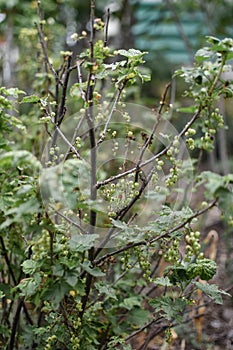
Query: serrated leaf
213	181
29	286
169	308
119	224
29	266
204	268
177	273
20	158
212	291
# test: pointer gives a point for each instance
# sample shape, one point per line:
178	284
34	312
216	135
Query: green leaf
30	207
81	243
138	316
191	109
212	39
131	302
96	272
132	53
20	158
58	270
119	224
204	268
202	54
55	292
15	92
71	278
212	181
106	289
29	286
29	266
30	99
169	308
212	291
177	274
163	281
225	201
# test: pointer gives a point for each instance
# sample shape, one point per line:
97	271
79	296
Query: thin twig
156	124
70	221
58	130
132	335
106	28
82	93
74	137
119	92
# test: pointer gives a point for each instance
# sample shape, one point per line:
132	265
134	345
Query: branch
150	160
132	335
70	221
58	130
62	109
93	189
150	138
157	238
119	92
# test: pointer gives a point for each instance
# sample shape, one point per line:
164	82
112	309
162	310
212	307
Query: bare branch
62	109
106	28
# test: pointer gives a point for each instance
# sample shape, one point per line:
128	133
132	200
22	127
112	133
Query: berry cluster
144	262
213	121
50	341
193	246
120	194
126	260
172	254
